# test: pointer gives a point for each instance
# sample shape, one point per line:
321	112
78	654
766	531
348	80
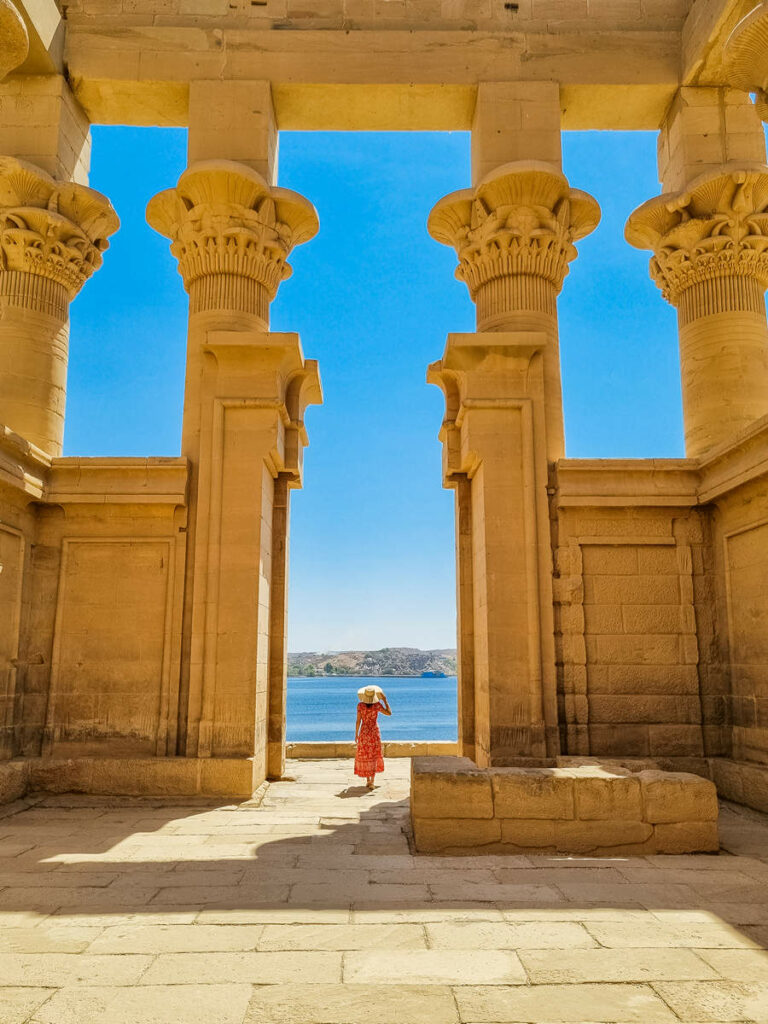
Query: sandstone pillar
710	245
514	234
246	391
52	236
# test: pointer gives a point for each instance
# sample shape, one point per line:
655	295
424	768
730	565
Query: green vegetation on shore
389	661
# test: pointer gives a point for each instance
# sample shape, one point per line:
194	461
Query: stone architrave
514	235
52	236
14	39
746	56
710	260
246	392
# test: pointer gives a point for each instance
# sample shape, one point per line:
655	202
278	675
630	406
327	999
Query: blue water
324	710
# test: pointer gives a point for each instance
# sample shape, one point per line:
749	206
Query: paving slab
190	1004
352	1004
312	909
563	1004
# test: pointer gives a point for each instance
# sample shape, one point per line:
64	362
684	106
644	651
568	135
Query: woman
368	758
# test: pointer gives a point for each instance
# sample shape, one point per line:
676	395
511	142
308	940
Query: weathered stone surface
687	837
677	798
614	798
435	834
450	788
531	793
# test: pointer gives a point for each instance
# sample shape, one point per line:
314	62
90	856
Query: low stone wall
147	776
602	811
319	751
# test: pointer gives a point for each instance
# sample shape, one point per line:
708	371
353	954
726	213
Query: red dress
368	758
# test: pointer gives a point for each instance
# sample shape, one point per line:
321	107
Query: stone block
677	797
755	786
434	835
450	788
532	793
538	834
603	836
14	780
625	740
162	776
53	775
226	776
687	837
613	797
676	740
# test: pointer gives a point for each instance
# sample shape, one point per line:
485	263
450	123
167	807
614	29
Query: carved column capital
520	222
232	234
14	39
56	231
746	56
714	234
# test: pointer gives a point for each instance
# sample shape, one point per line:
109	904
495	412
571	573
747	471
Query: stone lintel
344	79
621	483
101	481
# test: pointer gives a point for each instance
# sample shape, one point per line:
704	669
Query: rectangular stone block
434	835
603	837
226	776
532	793
611	798
450	788
14	780
687	837
538	834
677	798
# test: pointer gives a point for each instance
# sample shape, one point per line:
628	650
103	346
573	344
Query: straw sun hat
370	694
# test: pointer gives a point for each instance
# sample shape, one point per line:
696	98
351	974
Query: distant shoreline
359	675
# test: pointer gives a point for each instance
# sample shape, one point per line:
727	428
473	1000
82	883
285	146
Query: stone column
514	234
246	391
52	236
710	246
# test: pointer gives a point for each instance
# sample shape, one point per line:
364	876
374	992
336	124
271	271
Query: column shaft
34	343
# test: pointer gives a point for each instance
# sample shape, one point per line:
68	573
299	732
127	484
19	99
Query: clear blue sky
373	297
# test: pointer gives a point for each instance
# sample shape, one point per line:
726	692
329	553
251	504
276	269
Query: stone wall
740	535
593	810
91	661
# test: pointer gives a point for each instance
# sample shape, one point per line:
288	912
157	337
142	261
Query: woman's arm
385	708
357	725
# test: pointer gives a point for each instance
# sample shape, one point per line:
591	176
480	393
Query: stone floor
311	909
